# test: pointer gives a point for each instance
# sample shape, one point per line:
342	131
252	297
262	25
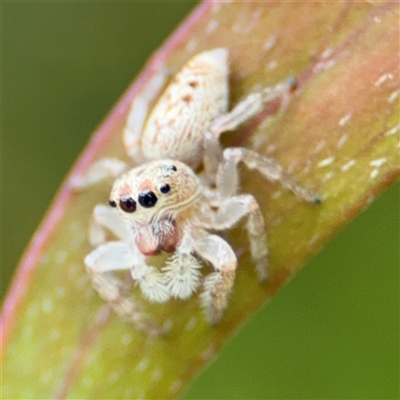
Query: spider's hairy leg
242	112
138	113
231	211
217	285
182	272
268	167
151	281
116	256
103	169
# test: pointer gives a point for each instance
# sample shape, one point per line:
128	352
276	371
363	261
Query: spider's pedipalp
152	283
105	218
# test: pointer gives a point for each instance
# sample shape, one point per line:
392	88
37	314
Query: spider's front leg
246	109
217	285
99	263
122	255
138	114
106	168
111	168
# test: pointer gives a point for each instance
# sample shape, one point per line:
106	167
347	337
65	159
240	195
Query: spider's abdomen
195	97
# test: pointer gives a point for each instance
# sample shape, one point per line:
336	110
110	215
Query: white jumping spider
162	205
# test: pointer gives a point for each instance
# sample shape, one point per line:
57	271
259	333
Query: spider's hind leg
246	109
268	167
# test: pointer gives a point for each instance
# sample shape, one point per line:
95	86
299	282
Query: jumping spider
162	205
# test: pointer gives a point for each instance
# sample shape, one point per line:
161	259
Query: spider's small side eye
128	205
165	189
112	203
173	168
147	199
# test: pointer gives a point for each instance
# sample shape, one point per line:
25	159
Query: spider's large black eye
128	204
147	199
165	189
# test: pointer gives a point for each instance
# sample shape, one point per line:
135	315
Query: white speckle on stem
191	324
78	241
129	394
87	382
44	259
378	162
157	375
175	386
81	282
168	324
325	162
393	96
374	173
75	226
45	377
192	44
343	121
237	28
342	140
54	334
307	168
33	310
319	146
208	352
328	176
61	256
27	332
271	148
47	306
291	167
276	194
256	14
313	240
212	26
113	377
126	339
383	78
272	65
327	53
348	165
270	43
73	270
60	292
216	6
324	65
143	364
393	130
277	221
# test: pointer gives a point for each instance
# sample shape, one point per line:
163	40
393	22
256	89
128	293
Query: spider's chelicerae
162	205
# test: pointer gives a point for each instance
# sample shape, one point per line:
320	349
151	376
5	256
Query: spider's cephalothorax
152	199
162	205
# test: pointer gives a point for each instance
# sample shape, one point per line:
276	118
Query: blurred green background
331	333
